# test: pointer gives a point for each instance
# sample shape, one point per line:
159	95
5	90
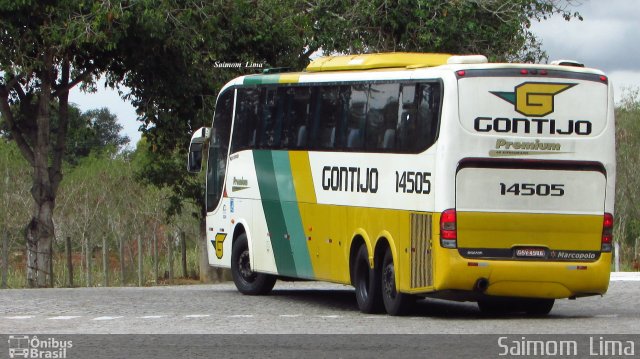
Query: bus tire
247	281
494	307
395	303
538	307
367	283
504	306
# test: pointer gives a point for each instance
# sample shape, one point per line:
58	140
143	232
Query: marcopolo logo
24	346
534	99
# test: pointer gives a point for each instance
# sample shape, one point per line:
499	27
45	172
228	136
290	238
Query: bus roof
392	62
377	61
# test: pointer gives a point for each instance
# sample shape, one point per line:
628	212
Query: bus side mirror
194	160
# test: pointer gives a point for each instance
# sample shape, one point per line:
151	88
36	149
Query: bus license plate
531	252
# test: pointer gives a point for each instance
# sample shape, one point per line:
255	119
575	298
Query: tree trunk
39	237
46	160
40	231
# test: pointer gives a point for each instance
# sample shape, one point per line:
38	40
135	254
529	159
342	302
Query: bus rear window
539	107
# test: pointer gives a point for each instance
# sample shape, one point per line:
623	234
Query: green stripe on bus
291	212
273	213
261	79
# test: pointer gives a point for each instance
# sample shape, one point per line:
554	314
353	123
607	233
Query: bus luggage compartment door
530	213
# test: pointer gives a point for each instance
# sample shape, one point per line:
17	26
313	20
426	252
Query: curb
625	276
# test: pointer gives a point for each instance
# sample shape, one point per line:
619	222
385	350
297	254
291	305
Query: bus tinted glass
363	117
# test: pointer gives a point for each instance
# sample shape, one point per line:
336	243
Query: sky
606	39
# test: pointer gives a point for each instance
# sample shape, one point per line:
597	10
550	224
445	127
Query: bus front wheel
367	283
246	280
395	303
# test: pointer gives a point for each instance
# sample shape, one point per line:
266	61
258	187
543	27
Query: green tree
48	47
94	130
498	29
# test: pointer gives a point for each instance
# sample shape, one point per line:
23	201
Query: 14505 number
413	182
531	189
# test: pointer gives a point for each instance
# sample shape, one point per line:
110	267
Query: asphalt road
292	308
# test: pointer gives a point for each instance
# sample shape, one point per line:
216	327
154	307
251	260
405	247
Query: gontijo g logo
534	99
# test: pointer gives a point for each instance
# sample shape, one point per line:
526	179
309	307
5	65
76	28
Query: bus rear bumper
530	279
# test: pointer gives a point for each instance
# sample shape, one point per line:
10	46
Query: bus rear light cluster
448	229
533	72
607	232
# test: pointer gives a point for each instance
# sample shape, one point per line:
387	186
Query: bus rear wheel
538	307
367	283
395	303
502	306
246	280
495	307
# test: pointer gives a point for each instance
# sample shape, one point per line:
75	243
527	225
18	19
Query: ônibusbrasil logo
25	346
534	99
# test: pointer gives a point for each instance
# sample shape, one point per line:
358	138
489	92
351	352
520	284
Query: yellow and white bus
415	175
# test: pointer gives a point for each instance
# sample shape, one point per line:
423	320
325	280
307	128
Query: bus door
218	224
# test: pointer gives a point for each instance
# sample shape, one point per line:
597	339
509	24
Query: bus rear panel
533	184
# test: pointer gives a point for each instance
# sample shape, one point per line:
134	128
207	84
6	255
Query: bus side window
313	132
382	115
356	110
418	121
327	118
407	119
297	126
271	118
285	95
428	109
246	119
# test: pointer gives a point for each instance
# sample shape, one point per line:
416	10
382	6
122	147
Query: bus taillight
448	230
607	232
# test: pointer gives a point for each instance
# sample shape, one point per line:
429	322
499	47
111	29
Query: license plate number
531	252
